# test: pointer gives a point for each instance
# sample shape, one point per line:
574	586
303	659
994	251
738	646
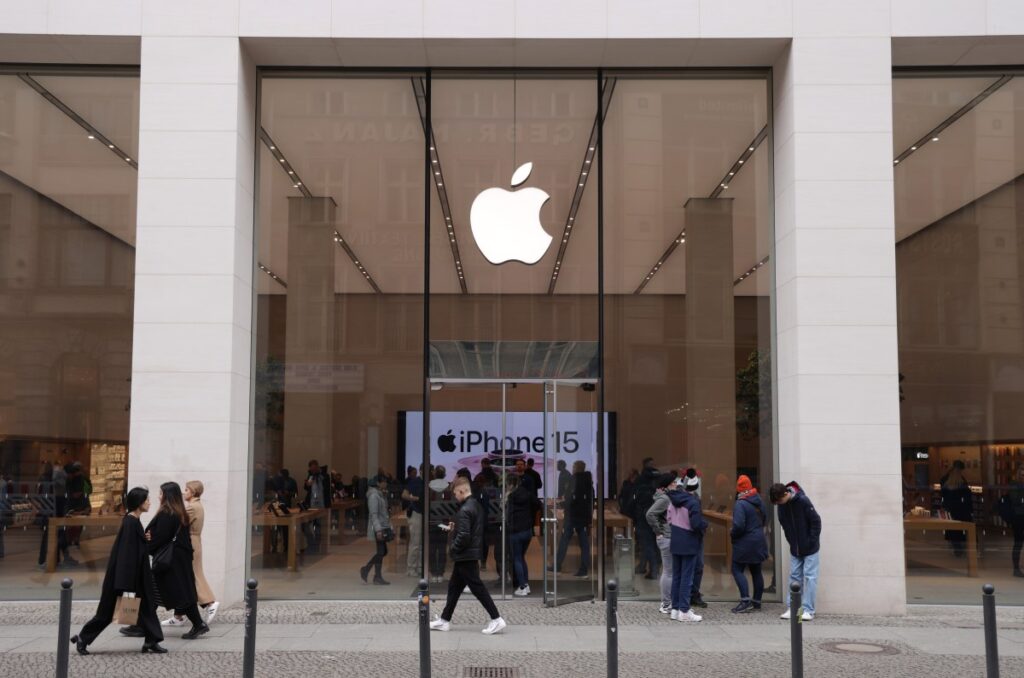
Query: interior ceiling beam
297	183
91	131
419	92
585	172
729	177
933	135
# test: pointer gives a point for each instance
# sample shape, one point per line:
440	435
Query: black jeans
378	559
192	612
148	621
467	573
650	556
741	580
438	553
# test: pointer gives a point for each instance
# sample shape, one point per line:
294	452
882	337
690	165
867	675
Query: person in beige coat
194	507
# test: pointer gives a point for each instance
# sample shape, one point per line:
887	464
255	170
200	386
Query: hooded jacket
800	522
657	515
748	542
687	523
468	542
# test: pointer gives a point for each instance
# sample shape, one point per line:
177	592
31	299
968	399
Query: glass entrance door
512	439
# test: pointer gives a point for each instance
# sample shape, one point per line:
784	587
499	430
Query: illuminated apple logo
506	224
446	442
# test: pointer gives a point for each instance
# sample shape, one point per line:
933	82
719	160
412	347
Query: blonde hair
196	486
459	482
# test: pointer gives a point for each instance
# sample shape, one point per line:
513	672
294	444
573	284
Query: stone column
193	286
309	338
836	348
711	353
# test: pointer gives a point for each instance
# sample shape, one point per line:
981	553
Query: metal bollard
423	605
796	630
612	622
64	628
988	605
249	649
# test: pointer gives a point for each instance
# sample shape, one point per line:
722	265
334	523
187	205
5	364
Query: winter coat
580	502
522	507
748	542
1011	505
377	516
128	566
657	515
800	523
176	586
687	523
468	541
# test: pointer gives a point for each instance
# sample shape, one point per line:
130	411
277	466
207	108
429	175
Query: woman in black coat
127	572
749	546
176	585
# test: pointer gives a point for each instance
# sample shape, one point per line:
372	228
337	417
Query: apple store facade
307	255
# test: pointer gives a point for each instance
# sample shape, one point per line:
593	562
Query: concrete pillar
190	403
711	347
309	339
837	352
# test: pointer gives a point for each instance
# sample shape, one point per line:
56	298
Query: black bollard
796	630
64	628
423	605
988	606
249	649
612	622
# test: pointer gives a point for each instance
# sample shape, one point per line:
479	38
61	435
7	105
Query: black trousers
378	558
192	612
148	621
438	552
467	573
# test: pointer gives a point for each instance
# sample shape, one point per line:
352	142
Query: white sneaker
523	590
675	615
211	611
495	626
440	625
784	615
807	616
173	621
689	616
665	609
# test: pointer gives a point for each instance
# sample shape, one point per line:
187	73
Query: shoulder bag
163	559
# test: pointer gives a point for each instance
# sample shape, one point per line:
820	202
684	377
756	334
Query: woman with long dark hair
127	572
176	585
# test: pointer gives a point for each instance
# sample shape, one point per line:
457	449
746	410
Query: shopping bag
127	612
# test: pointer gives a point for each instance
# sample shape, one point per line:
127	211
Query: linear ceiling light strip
581	184
299	184
933	135
750	271
730	175
419	91
274	276
91	131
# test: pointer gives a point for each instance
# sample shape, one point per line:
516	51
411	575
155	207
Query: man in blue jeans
802	527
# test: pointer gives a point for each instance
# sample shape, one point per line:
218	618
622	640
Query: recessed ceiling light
440	185
581	183
935	138
273	148
91	136
127	159
588	161
437	174
280	159
741	162
291	171
751	148
584	174
110	145
431	148
299	183
731	173
896	161
913	148
591	148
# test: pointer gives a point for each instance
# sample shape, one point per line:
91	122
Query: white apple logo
506	224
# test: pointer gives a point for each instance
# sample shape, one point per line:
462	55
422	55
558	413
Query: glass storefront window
68	157
958	159
564	342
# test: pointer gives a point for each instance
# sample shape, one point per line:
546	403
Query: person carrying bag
378	528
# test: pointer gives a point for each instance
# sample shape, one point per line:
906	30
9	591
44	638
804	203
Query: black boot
380	581
363	572
80	645
698	601
155	648
132	632
196	632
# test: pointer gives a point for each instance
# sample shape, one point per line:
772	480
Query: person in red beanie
749	546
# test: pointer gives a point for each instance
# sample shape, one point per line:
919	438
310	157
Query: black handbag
386	535
163	559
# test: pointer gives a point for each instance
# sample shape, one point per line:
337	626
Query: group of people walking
678	523
161	565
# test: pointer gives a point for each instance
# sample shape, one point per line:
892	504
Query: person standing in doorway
579	515
520	506
802	526
749	547
378	528
467	546
657	518
413	495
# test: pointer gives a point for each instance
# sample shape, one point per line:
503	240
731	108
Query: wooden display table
54	523
931	524
725	520
294	521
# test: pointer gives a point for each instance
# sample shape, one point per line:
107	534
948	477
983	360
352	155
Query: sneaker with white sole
174	621
675	615
665	609
784	615
689	616
440	625
211	611
523	590
495	626
807	616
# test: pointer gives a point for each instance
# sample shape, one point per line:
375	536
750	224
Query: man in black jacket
802	527
466	550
